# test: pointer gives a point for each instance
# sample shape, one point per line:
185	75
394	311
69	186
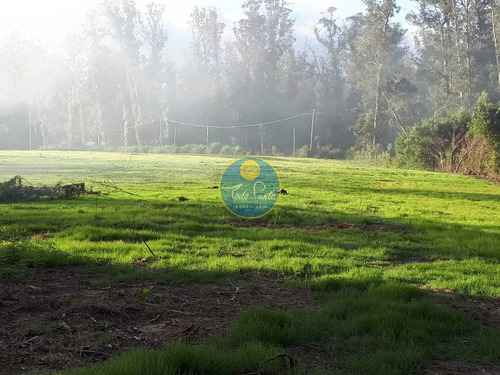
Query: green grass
370	317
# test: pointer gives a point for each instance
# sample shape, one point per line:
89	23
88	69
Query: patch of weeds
106	337
214	358
145	294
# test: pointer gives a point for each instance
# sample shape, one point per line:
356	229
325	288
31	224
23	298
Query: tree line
116	85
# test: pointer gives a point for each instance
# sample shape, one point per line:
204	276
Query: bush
485	127
329	152
214	148
372	156
466	142
211	149
302	152
275	151
435	145
230	150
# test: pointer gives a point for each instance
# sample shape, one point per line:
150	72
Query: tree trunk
457	43
494	25
468	52
445	64
41	118
378	94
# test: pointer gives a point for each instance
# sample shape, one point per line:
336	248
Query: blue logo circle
250	188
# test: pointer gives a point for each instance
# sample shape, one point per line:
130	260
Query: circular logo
250	170
250	188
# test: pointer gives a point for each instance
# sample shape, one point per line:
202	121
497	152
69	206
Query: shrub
372	156
466	142
275	151
434	145
230	150
329	152
485	127
302	152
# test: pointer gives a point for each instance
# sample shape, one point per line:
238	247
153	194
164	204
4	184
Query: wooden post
29	129
161	128
261	140
312	130
207	135
175	136
293	142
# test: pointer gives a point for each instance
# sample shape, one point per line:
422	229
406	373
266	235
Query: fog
260	85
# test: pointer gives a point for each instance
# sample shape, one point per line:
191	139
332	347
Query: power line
213	126
133	126
239	126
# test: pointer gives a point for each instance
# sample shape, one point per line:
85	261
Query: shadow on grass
133	220
364	322
472	197
22	261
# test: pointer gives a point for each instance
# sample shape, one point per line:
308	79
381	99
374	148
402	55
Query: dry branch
13	190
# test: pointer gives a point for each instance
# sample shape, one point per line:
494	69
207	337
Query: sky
51	20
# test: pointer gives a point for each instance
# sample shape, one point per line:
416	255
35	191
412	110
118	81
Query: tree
122	21
263	37
329	66
375	57
457	51
496	34
203	96
155	73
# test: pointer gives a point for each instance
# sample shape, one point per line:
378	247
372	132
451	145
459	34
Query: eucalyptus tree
31	80
203	88
155	74
263	38
456	44
375	57
329	66
122	25
495	33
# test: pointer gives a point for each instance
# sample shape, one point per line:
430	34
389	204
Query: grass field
402	267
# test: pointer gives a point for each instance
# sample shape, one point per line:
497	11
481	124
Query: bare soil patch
436	367
481	309
60	318
315	229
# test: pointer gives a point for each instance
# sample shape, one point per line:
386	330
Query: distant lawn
365	241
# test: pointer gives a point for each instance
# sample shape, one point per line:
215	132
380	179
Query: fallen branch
13	190
112	185
151	251
154	319
29	340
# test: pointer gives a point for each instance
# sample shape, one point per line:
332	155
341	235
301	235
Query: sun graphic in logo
250	170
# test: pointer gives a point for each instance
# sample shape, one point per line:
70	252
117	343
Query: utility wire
239	126
212	126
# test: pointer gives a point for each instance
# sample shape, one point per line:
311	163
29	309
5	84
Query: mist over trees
115	84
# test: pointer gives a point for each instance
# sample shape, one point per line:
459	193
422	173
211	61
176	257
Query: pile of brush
14	190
